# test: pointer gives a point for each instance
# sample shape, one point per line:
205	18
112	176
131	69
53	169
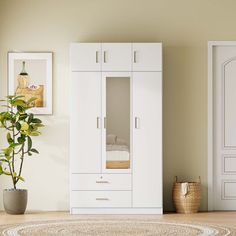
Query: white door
224	127
147	139
147	57
85	56
85	120
116	56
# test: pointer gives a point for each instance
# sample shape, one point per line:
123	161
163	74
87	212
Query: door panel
85	139
85	56
224	127
229	86
147	139
116	56
147	57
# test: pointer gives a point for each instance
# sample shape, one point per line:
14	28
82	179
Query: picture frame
30	75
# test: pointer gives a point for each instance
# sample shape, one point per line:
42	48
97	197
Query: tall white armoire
116	128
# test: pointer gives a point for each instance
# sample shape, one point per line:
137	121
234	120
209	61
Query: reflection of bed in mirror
117	153
117	123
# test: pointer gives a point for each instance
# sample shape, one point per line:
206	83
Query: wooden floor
223	218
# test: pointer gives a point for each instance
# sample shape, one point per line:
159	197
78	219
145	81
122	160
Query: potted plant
20	126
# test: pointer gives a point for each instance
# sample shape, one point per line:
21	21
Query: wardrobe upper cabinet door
85	122
85	56
116	56
147	57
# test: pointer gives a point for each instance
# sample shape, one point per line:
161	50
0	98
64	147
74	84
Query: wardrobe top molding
116	57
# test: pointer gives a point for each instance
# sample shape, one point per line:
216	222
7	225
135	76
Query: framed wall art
30	75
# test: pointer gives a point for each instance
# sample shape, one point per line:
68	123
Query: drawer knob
102	182
102	199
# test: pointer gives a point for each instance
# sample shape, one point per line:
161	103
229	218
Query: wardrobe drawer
101	199
101	182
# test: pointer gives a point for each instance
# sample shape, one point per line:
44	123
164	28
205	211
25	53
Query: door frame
211	45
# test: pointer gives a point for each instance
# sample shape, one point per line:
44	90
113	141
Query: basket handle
199	179
176	179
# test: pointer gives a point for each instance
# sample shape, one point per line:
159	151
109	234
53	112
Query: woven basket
190	202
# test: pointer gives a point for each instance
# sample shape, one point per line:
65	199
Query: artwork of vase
28	91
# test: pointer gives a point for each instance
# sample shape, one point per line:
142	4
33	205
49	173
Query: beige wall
184	27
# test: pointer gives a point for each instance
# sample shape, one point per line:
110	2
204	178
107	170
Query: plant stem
13	179
18	151
13	153
22	161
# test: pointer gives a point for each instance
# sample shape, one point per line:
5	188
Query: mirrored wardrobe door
116	122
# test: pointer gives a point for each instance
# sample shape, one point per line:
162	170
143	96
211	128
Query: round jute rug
114	228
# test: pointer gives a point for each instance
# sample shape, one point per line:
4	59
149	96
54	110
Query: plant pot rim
14	190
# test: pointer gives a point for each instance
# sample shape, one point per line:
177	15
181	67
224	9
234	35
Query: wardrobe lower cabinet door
147	139
85	122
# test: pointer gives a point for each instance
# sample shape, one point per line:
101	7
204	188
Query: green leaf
24	126
18	125
7	115
36	120
32	128
23	116
8	158
24	133
34	150
9	138
17	97
39	125
29	143
29	153
20	178
21	139
13	145
6	173
3	160
31	100
20	109
35	133
19	102
31	116
8	151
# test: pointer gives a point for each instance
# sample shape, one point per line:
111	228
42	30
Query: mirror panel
118	123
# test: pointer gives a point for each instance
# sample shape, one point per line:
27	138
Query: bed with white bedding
117	152
118	155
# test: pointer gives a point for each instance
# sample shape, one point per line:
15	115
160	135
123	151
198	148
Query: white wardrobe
116	128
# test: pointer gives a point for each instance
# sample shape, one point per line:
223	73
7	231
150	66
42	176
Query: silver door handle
136	123
102	199
135	56
105	57
102	182
105	122
97	57
98	122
